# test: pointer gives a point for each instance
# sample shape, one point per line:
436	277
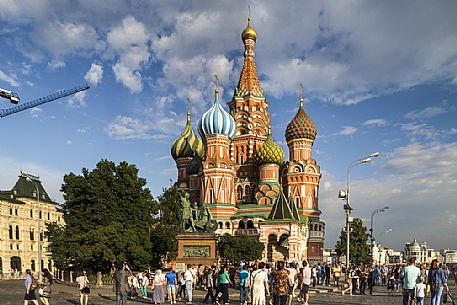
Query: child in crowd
420	291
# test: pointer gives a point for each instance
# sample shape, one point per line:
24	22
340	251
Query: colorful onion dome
216	120
249	32
270	152
301	126
187	144
194	165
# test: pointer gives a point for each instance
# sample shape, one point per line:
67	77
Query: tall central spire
249	80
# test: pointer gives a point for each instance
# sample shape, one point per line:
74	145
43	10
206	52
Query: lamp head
342	194
366	160
375	154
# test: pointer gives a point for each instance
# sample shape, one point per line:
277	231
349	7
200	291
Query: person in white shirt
420	291
260	286
306	282
293	280
189	279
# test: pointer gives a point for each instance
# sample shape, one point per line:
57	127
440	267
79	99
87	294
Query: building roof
283	209
270	152
27	188
187	144
301	127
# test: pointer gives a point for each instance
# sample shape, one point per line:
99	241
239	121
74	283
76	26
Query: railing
316	234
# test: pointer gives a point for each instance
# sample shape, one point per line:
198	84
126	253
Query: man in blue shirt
171	286
410	274
245	284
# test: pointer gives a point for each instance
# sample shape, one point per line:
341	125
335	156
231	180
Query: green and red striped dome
301	127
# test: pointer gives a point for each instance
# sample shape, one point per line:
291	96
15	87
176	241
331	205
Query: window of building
227	225
11	211
17	246
32	265
15	212
11	246
32	234
49	216
17	232
41	236
40	215
11	232
31	213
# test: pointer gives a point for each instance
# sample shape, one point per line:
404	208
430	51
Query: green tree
239	247
107	214
359	250
166	225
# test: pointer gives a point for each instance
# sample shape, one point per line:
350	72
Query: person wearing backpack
438	282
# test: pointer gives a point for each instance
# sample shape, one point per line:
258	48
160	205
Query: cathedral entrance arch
16	263
272	241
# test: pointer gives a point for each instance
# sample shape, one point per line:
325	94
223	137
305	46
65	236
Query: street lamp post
371	226
31	178
345	196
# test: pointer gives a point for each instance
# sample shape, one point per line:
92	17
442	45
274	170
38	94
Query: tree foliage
107	214
239	247
359	250
166	225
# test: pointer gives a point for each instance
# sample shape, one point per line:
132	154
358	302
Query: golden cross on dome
301	95
188	109
216	92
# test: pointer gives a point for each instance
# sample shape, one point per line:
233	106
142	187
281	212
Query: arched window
32	265
11	232
32	234
239	191
227	225
250	224
31	213
241	225
17	232
247	192
219	224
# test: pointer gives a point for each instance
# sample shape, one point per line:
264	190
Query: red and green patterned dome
270	152
301	127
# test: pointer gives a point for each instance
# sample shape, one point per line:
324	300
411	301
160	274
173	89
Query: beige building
21	209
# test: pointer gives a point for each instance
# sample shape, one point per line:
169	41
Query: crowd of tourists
261	283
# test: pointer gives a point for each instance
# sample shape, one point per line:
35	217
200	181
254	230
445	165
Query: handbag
86	290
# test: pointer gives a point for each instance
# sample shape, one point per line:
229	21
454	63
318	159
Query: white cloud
129	41
94	75
9	78
128	128
56	64
35	112
61	38
414	180
426	113
348	131
375	122
69	142
78	100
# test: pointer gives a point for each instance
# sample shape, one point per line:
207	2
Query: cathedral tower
217	127
250	111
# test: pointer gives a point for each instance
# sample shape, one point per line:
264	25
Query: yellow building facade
22	208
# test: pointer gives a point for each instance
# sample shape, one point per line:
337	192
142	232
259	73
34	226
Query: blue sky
377	76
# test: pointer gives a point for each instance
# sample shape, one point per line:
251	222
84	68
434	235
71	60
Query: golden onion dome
249	32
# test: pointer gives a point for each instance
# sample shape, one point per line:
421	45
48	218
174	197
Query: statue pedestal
196	248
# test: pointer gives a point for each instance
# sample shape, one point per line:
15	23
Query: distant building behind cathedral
241	174
20	210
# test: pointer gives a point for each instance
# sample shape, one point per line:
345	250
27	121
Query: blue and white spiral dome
217	121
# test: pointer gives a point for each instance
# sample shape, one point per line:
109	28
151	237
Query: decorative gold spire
188	109
216	91
301	95
249	32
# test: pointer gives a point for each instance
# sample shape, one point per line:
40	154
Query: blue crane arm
42	100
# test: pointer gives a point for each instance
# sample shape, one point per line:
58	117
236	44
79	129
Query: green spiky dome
301	127
187	144
270	152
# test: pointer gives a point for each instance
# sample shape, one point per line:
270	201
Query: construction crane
12	96
37	102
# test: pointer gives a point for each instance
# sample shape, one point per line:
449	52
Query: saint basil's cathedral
238	171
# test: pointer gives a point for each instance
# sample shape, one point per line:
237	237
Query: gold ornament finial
249	32
301	95
188	109
216	92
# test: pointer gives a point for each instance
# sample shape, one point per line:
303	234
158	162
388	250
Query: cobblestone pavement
12	292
